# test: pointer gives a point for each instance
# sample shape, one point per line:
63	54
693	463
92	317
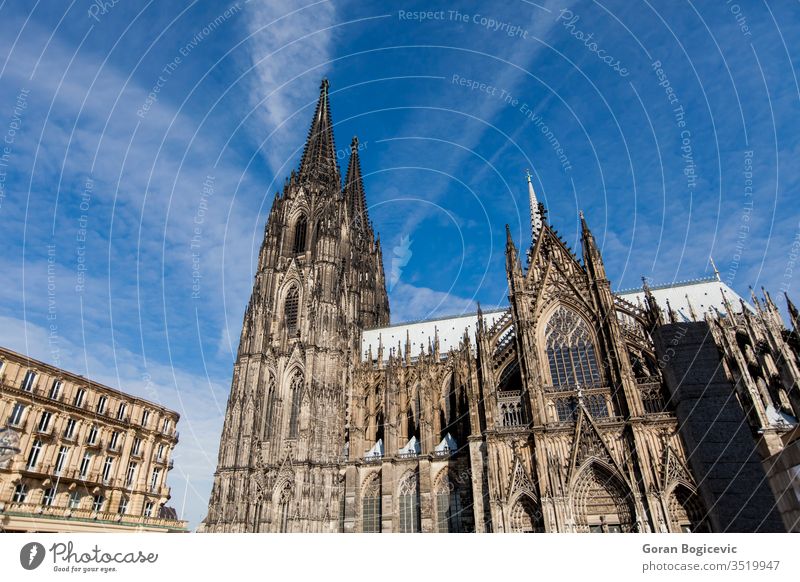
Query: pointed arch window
409	504
449	510
371	506
296	389
290	310
570	350
300	231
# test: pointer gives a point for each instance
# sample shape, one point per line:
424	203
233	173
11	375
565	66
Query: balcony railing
61	512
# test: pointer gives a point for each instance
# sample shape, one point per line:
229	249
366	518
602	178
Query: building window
300	230
371	507
596	405
44	422
55	389
130	474
294	414
80	396
123	505
566	409
69	430
409	504
112	444
97	502
16	414
101	405
145	417
121	411
448	507
92	438
165	426
137	445
27	382
33	456
74	500
49	496
148	509
20	493
63	454
290	309
154	480
160	453
86	462
107	465
570	350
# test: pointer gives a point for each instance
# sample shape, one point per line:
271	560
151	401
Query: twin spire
319	155
320	162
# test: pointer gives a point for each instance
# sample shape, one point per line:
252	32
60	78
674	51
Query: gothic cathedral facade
548	416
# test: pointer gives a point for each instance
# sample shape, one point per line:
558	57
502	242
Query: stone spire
536	216
793	313
319	155
354	191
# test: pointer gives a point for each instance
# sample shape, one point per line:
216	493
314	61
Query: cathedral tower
319	282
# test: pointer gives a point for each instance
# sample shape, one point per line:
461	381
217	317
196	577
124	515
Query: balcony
61	513
94	443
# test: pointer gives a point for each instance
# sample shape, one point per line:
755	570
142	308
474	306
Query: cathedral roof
420	334
683	297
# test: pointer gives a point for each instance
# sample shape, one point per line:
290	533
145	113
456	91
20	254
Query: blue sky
673	126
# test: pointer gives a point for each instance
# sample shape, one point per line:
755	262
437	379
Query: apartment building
80	456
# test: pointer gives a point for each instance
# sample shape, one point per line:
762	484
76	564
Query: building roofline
673	285
443	318
78	379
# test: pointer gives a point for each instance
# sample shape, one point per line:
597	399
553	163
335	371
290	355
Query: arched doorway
525	516
602	503
686	512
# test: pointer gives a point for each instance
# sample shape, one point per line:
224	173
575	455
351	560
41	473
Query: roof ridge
672	285
442	318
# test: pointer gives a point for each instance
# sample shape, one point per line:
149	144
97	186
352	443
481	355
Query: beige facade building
79	456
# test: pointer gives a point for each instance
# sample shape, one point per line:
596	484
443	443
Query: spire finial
536	216
714	266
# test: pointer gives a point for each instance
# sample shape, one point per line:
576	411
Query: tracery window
290	309
596	405
449	509
409	504
566	409
300	230
570	350
296	389
371	507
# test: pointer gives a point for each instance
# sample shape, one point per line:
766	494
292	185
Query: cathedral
564	412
